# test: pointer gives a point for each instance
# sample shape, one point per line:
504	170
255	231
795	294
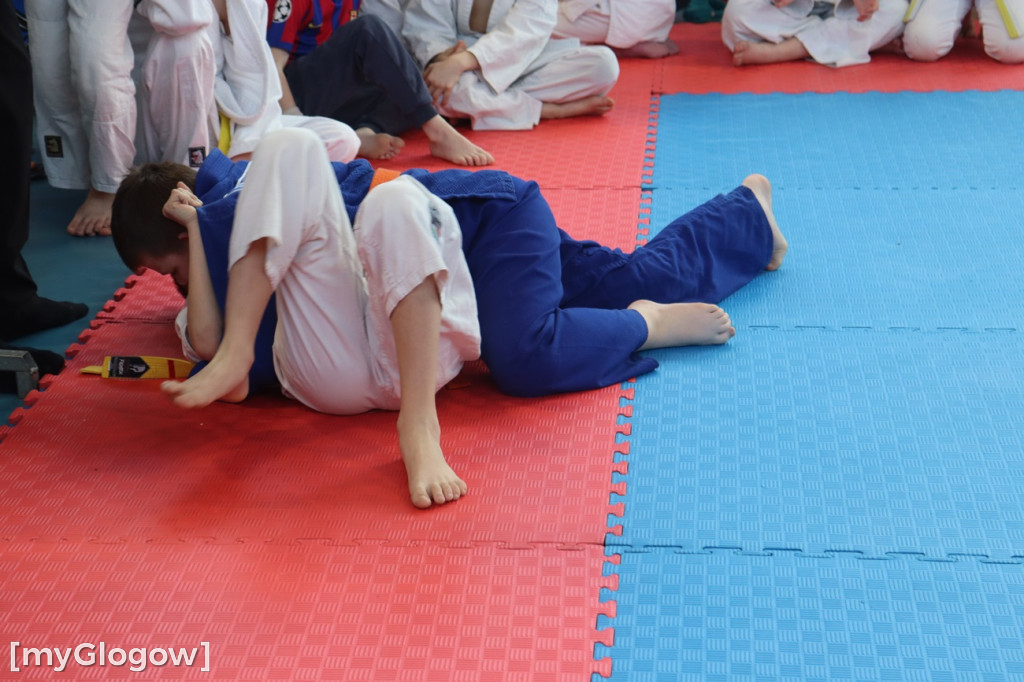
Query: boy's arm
288	105
205	322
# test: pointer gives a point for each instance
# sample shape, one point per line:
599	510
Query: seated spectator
832	32
497	64
932	27
633	28
248	90
357	70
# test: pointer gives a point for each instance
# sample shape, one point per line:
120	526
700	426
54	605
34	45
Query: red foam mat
704	65
304	612
284	538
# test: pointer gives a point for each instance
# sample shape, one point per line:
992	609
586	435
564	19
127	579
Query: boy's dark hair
137	222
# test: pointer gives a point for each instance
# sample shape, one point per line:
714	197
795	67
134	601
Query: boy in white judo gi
496	63
932	26
85	99
831	32
383	289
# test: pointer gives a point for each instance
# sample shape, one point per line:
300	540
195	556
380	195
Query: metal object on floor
26	372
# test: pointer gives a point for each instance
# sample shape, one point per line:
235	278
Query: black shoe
37	315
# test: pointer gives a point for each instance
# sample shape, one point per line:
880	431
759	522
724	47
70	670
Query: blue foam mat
835	494
822	440
883	259
726	617
908	140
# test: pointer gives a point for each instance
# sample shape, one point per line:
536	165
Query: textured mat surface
832	495
725	616
832	440
705	65
897	141
304	611
883	259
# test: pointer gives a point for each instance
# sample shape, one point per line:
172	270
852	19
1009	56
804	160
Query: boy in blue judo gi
364	291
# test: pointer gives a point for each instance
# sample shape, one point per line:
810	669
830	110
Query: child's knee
288	141
604	67
400	208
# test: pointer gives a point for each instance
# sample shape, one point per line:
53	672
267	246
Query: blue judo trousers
552	309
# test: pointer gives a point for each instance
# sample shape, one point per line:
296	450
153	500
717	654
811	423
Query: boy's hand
181	206
865	8
442	75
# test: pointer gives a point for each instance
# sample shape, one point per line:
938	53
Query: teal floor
86	270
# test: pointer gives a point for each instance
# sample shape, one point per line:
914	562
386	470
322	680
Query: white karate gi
87	117
521	65
616	23
933	25
336	287
248	88
391	11
829	30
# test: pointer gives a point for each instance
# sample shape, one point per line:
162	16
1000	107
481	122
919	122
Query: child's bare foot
595	105
683	324
431	480
790	49
894	46
93	216
449	144
226	378
374	145
650	49
762	189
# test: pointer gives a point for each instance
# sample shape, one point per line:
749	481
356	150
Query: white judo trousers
933	26
336	286
521	65
830	32
87	116
616	23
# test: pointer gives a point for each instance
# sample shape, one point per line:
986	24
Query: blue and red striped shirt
298	26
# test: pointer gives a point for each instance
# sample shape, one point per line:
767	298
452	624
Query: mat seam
605	626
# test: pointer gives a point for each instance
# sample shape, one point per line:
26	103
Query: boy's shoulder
456	183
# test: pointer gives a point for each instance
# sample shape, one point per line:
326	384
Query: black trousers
363	76
16	285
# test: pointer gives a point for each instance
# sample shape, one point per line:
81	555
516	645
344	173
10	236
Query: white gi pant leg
178	114
998	44
84	95
335	287
339	139
930	34
575	73
618	23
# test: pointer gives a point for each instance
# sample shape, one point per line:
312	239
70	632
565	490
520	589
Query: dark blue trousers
552	308
363	76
